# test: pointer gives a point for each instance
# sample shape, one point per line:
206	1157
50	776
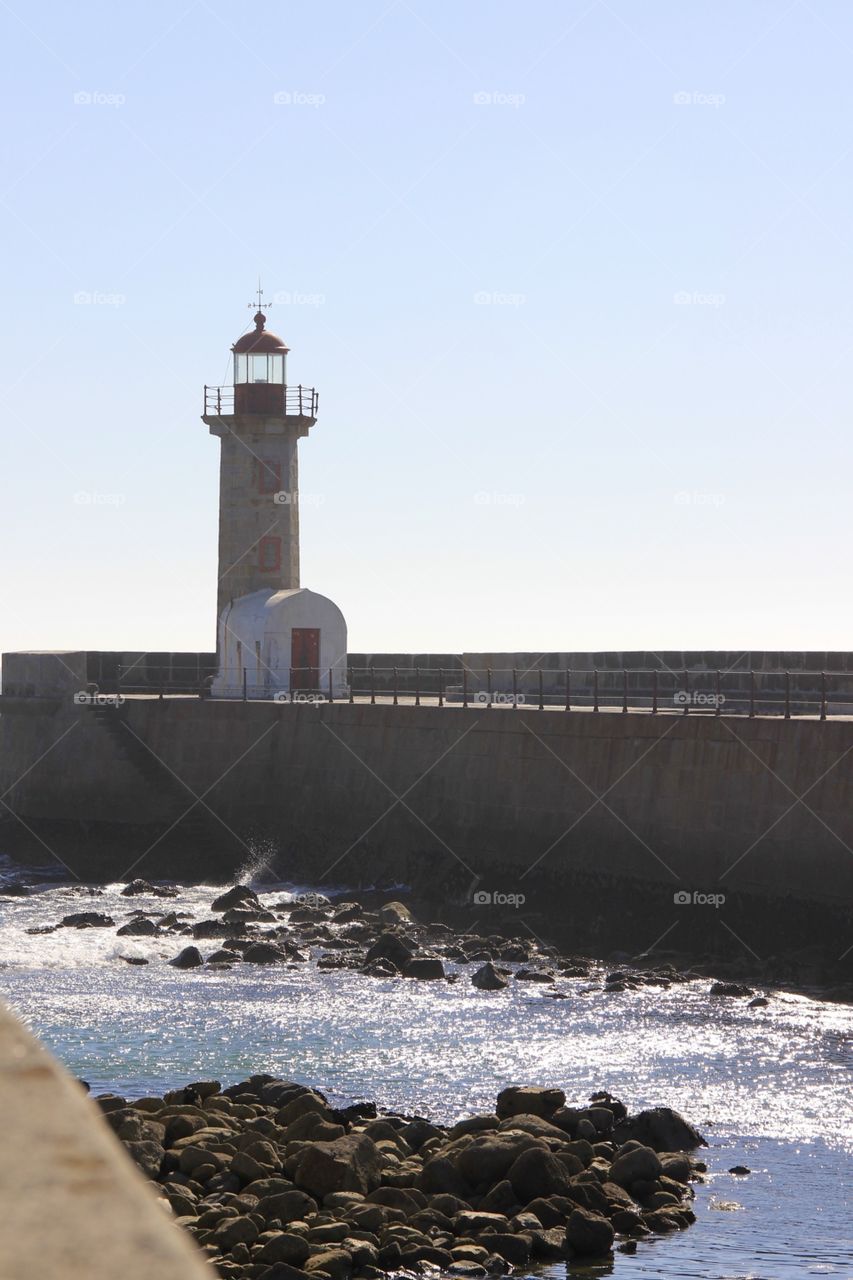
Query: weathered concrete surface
74	1207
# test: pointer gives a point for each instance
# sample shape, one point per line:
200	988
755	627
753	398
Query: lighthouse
275	638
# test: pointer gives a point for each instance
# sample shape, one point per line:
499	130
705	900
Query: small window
269	476
269	554
258	369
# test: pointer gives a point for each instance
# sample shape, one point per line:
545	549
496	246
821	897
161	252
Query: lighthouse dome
259	340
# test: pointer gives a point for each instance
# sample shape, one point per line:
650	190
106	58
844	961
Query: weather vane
261	305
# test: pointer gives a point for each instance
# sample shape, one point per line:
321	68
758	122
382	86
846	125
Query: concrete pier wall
354	793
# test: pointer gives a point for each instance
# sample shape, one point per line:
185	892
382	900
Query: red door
305	658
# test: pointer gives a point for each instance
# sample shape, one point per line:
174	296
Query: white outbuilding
281	643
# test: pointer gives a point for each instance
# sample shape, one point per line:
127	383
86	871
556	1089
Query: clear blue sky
572	278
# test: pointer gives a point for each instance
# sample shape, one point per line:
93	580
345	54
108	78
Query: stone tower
259	421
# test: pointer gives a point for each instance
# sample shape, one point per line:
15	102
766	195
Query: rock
639	1164
282	1271
189	958
142	928
531	1100
501	1199
133	959
424	967
537	1172
589	1234
285	1206
336	1263
351	1163
441	1176
148	1155
391	947
760	1002
488	1159
240	896
740	1169
731	989
287	1247
515	1249
488	978
152	890
395	913
662	1129
264	953
233	1231
86	920
534	975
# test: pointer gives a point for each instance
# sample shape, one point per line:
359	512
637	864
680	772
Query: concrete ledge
74	1207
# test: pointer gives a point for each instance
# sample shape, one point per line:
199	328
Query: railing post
488	688
568	689
515	689
624	691
686	692
752	695
351	684
787	695
595	706
372	686
464	688
541	694
655	691
331	691
118	681
417	686
441	686
395	686
718	708
245	684
823	695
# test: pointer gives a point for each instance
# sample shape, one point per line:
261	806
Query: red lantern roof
259	341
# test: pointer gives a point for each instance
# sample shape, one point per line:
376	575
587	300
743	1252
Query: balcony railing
298	402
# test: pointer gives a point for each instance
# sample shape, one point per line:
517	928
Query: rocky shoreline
276	1183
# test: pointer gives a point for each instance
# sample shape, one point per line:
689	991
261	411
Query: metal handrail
297	401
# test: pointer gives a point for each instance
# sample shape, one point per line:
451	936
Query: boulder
638	1164
488	1159
395	913
141	928
336	1263
589	1234
529	1100
147	1155
351	1163
283	1271
425	967
731	989
231	1231
391	947
151	890
488	978
264	953
441	1176
536	1172
86	920
240	896
662	1129
285	1206
189	958
534	975
286	1246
